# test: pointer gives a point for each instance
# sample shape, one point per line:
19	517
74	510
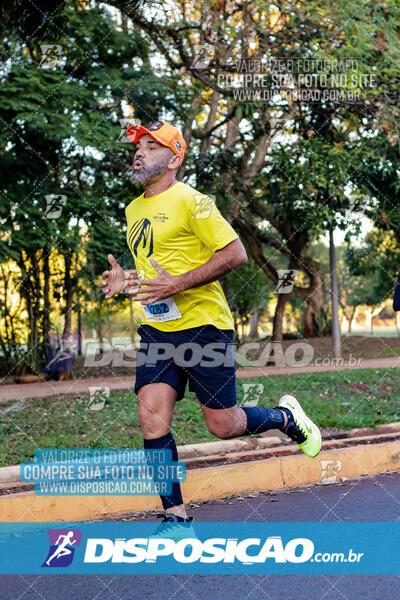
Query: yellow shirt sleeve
206	221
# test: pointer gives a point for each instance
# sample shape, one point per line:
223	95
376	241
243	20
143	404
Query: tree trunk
315	300
99	324
131	322
243	323
46	296
371	313
236	327
68	293
109	332
312	326
351	318
350	321
79	320
336	337
277	333
9	342
25	293
6	316
369	320
35	313
254	320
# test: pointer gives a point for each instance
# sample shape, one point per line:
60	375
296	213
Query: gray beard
146	173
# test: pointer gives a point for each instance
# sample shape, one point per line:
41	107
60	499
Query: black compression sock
167	442
261	419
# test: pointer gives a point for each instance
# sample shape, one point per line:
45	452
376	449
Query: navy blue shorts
204	356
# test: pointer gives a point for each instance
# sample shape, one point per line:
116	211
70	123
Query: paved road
61	389
375	498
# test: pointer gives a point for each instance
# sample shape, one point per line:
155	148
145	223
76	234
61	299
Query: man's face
150	160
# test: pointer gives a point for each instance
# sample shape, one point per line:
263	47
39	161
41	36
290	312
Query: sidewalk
281	468
74	387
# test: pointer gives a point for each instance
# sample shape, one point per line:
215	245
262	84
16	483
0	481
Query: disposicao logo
62	547
191	550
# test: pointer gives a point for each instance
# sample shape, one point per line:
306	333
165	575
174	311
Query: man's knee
223	428
152	422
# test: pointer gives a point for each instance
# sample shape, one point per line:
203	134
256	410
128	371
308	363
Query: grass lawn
343	399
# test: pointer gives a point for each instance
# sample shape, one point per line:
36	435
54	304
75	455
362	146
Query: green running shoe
300	428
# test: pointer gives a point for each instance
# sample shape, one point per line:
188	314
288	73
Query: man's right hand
113	281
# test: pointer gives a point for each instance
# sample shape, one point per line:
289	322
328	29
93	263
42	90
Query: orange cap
162	132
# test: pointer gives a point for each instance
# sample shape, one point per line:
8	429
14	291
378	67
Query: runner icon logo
252	392
286	279
204	206
62	547
202	56
330	470
98	396
125	124
51	55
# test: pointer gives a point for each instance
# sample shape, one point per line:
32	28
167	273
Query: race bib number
165	310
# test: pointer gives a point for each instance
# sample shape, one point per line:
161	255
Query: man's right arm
116	280
131	281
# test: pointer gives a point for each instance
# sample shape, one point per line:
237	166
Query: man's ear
175	162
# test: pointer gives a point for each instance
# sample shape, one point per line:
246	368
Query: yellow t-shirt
181	229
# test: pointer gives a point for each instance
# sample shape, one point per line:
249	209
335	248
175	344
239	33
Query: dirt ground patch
356	346
359	346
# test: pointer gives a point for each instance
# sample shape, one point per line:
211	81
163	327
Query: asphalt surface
373	498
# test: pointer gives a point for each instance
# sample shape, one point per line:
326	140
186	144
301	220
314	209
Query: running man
183	252
62	549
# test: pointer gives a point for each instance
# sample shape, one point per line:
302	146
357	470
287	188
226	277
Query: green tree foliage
232	141
376	266
281	171
59	134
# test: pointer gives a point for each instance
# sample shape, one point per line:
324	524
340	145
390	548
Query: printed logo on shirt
161	217
141	233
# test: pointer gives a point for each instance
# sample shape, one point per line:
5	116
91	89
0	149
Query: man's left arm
221	263
164	285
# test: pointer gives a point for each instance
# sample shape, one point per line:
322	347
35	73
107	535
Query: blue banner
200	548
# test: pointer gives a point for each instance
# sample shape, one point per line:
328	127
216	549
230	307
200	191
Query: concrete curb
215	460
11	473
226	446
238	445
208	484
221	448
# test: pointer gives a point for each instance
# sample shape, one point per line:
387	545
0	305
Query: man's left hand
164	285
